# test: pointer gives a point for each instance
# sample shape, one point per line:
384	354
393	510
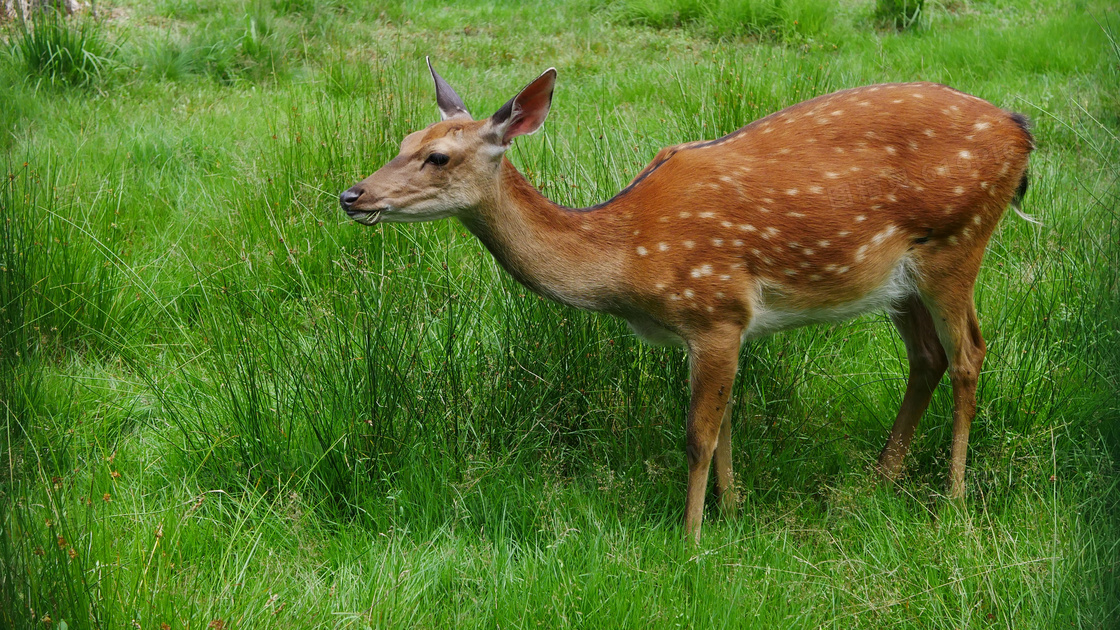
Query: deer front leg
713	360
725	479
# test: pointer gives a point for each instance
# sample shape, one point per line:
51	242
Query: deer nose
348	197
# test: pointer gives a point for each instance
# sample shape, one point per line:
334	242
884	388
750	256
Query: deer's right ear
524	113
450	105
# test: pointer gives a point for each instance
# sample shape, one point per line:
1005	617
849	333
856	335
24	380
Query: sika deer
879	197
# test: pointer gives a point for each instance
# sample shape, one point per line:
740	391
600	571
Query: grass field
227	406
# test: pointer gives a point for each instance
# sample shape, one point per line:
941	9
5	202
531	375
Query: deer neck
571	256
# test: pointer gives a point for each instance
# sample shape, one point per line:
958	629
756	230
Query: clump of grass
231	49
783	20
900	14
61	50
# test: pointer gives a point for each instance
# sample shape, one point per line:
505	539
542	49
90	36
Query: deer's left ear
524	113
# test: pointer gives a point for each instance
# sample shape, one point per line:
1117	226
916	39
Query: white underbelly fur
767	319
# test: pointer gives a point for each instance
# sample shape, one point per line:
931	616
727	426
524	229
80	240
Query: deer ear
450	105
524	113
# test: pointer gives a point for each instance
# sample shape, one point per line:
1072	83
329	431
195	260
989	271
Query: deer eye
439	159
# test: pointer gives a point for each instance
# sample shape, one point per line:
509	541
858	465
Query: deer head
452	166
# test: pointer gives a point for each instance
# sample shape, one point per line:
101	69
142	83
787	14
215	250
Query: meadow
225	405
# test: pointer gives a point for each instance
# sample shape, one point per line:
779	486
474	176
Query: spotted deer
873	198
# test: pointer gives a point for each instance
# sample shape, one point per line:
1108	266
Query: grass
61	51
226	406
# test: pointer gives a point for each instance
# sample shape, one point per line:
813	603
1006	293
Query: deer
875	198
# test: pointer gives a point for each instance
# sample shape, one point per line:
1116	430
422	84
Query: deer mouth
366	217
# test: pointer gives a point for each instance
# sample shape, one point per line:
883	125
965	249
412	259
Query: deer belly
771	311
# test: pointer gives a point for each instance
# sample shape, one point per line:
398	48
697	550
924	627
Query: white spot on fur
685	215
976	219
824	243
725	277
952	240
718	242
843	233
965	155
726	224
816	190
737	243
885	234
860	218
831	175
791	192
689	244
642	251
891	150
663	246
929	133
689	294
790	272
707	215
959	190
796	215
746	227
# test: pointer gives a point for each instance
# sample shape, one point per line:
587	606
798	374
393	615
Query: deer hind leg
954	316
725	482
927	364
713	360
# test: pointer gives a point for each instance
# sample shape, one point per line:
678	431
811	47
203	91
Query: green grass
225	405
